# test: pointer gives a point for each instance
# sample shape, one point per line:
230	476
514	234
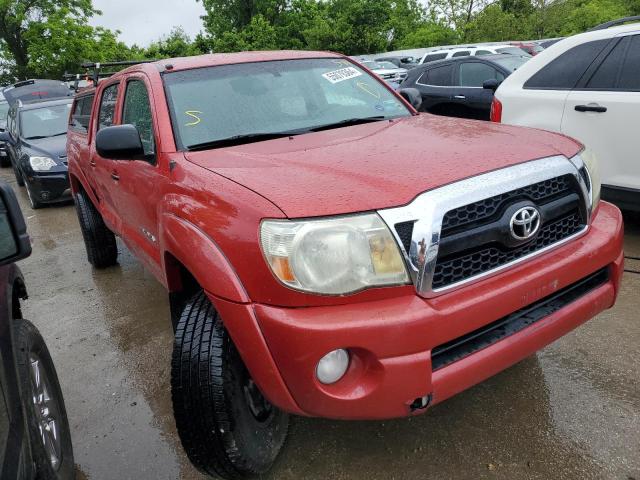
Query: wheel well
182	286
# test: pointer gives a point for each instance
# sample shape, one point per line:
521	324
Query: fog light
332	366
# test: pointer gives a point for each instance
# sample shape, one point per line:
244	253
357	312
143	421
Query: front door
141	180
468	92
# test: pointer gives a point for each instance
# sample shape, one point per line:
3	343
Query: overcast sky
143	21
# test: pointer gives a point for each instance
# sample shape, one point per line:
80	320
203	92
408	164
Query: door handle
590	108
459	97
115	176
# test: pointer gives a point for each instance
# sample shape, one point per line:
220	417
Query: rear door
468	93
435	86
603	112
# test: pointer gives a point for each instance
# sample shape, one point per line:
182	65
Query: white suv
588	87
441	54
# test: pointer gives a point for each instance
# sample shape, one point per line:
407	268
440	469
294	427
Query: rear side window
482	52
137	112
107	114
474	74
630	76
464	53
82	114
437	77
434	57
564	71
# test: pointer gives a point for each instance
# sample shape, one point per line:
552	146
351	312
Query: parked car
400	62
548	42
463	86
586	86
532	48
446	53
385	70
35	441
36	141
328	251
36	89
4	110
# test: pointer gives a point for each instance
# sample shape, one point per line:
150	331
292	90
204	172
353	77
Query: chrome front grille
459	233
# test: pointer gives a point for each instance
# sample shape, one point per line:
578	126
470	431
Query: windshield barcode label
342	74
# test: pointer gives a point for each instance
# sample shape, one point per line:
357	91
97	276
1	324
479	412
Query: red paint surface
203	211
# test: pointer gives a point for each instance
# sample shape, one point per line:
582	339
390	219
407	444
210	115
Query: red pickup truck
327	250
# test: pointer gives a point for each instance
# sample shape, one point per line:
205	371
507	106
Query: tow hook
421	403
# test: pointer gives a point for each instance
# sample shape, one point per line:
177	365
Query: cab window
81	114
137	112
107	113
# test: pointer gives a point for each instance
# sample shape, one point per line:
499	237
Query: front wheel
48	427
33	201
100	242
18	174
225	424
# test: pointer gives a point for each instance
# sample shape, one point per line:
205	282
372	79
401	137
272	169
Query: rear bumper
624	198
391	340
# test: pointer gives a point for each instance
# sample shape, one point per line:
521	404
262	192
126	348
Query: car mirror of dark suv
412	95
491	84
120	142
14	241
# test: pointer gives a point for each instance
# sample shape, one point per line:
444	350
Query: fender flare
201	256
78	180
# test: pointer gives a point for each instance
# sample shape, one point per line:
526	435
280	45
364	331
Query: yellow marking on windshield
367	88
194	114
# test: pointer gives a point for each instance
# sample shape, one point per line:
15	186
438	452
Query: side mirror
4	136
14	241
413	96
121	142
491	84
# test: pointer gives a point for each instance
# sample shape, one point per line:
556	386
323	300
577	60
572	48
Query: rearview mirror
14	241
491	84
121	142
412	95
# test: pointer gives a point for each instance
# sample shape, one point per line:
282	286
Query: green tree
176	44
22	21
430	34
493	24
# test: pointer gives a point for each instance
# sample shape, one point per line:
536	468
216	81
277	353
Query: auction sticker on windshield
342	74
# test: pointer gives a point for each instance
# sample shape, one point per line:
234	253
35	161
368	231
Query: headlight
333	256
41	164
593	180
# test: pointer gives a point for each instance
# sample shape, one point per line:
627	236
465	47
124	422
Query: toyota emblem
525	223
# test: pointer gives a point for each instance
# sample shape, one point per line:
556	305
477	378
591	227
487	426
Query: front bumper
50	188
625	198
391	340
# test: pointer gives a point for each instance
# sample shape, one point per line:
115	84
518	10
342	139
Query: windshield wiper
348	122
242	139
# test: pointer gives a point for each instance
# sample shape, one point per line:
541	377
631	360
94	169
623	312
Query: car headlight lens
333	256
42	164
593	168
588	160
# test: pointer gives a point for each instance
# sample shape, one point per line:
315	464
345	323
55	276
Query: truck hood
376	165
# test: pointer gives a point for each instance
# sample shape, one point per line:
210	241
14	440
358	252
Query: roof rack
615	23
93	71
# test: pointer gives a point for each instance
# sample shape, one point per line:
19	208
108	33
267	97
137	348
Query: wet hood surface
377	165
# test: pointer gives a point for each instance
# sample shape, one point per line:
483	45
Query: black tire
18	174
35	204
225	425
52	426
100	242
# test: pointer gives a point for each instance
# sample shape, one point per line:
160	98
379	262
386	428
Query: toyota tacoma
327	250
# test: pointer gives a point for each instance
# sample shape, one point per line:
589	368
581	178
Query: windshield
511	63
513	51
272	98
388	65
45	122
